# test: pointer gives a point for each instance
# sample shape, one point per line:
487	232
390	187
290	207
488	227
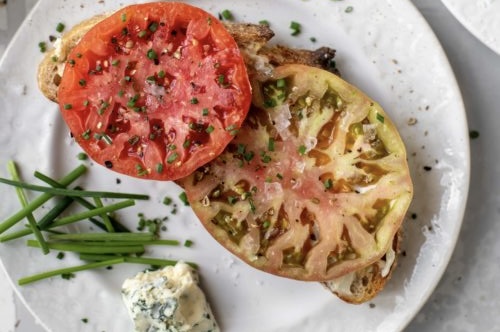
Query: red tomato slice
155	90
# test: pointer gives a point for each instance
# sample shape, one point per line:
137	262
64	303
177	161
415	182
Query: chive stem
134	260
53	213
45	275
84	248
105	237
37	202
92	213
104	216
11	166
116	224
71	219
71	192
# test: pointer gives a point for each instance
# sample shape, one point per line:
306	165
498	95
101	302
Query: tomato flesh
314	186
155	90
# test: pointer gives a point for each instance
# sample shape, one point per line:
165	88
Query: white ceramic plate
384	47
480	17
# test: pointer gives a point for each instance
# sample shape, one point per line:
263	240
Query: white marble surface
468	296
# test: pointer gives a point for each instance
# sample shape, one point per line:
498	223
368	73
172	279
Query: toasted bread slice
261	58
363	285
51	68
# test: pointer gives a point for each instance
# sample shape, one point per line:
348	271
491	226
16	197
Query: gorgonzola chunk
168	300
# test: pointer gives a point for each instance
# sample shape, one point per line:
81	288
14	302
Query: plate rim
467	166
470	26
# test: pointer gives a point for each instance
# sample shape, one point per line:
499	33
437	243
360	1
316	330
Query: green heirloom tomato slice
314	186
151	90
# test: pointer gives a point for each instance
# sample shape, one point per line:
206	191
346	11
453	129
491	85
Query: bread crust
366	283
52	66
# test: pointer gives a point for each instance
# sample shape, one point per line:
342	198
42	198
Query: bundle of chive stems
115	245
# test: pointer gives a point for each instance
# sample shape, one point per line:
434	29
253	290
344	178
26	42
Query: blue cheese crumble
168	300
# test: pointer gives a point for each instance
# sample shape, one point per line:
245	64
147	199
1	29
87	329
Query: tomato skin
155	90
314	186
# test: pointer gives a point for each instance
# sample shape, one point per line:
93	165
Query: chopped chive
221	79
68	106
248	156
270	144
231	127
313	39
167	200
161	74
204	112
281	83
141	171
44	275
24	202
188	243
380	118
252	205
349	9
124	17
60	27
209	129
279	176
232	200
133	140
86	103
70	192
266	159
151	54
142	33
153	26
473	134
60	255
42	46
82	156
194	101
86	134
186	144
37	202
159	168
183	198
302	150
132	100
115	62
264	22
172	157
296	28
328	183
227	15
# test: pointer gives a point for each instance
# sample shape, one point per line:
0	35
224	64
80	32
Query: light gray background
468	296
